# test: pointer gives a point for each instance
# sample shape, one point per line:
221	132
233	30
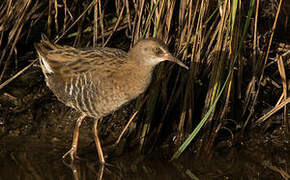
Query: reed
222	41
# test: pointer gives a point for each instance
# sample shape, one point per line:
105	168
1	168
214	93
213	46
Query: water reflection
81	169
40	158
34	158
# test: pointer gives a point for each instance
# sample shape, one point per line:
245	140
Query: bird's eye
157	51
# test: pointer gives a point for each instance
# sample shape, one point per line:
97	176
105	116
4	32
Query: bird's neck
142	61
139	70
136	72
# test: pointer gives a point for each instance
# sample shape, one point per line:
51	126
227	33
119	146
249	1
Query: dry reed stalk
263	67
19	14
281	69
115	27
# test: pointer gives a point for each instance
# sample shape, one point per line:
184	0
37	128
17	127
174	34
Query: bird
98	81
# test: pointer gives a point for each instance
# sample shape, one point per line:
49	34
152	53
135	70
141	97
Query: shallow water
33	157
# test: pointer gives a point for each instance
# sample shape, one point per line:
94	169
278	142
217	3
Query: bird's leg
73	151
98	143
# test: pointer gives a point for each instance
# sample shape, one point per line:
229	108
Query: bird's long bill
175	60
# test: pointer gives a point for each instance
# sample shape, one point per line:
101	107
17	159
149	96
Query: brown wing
67	61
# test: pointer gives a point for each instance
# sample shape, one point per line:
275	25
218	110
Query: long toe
72	153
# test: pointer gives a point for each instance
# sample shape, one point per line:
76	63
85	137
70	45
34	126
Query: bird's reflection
80	169
34	158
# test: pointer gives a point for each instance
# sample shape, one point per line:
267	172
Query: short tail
42	49
44	46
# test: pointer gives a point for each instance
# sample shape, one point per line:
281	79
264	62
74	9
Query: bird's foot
72	153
